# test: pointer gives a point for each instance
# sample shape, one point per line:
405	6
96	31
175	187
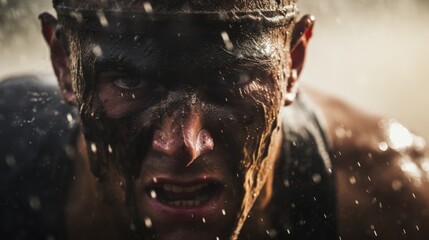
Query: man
190	126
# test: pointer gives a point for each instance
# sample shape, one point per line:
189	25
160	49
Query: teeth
178	189
189	203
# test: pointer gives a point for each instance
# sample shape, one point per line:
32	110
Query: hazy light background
372	53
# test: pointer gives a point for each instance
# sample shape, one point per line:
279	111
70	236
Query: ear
59	57
301	35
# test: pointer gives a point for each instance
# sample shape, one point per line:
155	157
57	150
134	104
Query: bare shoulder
382	173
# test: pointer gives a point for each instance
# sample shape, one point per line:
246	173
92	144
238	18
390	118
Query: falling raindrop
109	148
35	203
204	220
10	160
147	7
69	118
352	180
153	194
223	212
148	222
93	148
228	44
103	19
97	51
317	178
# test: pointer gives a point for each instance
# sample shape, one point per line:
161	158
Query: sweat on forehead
180	5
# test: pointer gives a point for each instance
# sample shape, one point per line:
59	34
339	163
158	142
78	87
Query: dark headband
173	23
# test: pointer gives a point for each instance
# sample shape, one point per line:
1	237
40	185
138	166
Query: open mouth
185	196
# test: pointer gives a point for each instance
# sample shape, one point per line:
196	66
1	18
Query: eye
235	79
130	82
122	80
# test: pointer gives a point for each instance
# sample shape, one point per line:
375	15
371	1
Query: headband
173	23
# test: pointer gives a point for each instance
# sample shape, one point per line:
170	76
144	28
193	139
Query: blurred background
372	53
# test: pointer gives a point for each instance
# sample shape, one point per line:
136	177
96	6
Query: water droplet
204	220
154	179
109	148
103	19
97	51
93	148
223	212
35	203
148	222
396	185
147	7
399	137
10	160
228	44
357	202
317	178
352	180
383	146
69	118
153	194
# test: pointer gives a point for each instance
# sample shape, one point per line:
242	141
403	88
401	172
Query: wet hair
184	5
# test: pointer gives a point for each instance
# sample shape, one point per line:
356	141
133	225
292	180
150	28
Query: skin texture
177	125
382	188
186	126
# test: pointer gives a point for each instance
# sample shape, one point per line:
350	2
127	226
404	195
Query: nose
182	137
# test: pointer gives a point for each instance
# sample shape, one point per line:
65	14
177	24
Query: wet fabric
36	133
305	195
37	142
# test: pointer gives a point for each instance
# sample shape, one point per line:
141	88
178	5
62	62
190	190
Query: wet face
181	128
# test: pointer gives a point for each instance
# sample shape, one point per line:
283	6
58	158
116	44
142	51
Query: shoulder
36	139
382	173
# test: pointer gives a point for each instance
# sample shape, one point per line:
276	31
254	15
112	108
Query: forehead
178	39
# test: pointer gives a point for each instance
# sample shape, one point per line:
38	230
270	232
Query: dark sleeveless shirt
37	142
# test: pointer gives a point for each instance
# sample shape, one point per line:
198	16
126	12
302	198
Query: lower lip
195	213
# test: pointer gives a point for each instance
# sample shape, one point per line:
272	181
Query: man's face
179	127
